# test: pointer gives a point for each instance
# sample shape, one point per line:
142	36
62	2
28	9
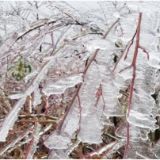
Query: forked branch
84	73
133	64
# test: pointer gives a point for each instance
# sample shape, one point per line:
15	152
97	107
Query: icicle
61	85
57	154
98	44
90	129
55	141
156	149
29	76
16	96
10	119
13	143
37	97
36	137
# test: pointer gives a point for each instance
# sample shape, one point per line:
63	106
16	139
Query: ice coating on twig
61	85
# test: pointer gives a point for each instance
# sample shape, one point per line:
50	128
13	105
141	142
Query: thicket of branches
79	84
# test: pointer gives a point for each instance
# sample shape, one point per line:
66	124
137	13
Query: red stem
130	45
125	68
143	49
125	51
134	62
127	143
31	143
29	148
133	80
80	113
88	156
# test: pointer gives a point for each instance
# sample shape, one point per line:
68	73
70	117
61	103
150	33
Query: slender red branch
17	129
116	64
103	102
91	154
143	49
134	61
127	142
80	113
121	31
98	94
96	52
130	45
133	80
29	148
69	107
125	51
31	143
125	68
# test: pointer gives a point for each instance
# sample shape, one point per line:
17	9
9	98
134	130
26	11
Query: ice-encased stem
133	80
84	72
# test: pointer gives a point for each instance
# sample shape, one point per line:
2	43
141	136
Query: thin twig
133	80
